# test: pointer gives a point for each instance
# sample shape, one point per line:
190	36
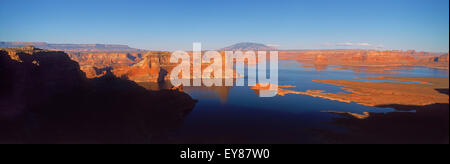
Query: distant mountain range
72	47
246	46
249	47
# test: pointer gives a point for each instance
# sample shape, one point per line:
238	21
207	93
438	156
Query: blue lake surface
239	115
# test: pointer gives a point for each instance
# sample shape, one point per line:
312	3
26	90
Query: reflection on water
220	93
156	86
240	115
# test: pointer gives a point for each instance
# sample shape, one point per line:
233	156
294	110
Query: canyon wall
368	58
149	66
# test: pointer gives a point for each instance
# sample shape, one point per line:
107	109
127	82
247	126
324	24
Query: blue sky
176	24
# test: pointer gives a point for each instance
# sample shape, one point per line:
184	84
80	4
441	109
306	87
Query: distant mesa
72	47
249	47
370	61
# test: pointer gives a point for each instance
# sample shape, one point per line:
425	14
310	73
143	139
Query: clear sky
175	24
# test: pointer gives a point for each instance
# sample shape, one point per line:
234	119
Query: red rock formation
139	67
102	59
149	69
151	66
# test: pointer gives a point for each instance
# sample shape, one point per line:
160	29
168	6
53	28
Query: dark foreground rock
45	98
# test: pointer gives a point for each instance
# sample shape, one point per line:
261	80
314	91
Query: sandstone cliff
150	66
153	68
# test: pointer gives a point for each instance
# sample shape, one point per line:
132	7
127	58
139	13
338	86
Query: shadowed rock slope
45	98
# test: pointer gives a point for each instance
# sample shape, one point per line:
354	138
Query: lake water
239	115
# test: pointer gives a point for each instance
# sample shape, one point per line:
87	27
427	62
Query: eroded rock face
46	98
151	66
138	67
102	59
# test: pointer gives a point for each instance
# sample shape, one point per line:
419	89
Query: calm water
239	115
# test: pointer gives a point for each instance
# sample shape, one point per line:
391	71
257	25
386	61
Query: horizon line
145	49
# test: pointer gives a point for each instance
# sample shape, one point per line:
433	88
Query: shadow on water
428	125
112	111
215	92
